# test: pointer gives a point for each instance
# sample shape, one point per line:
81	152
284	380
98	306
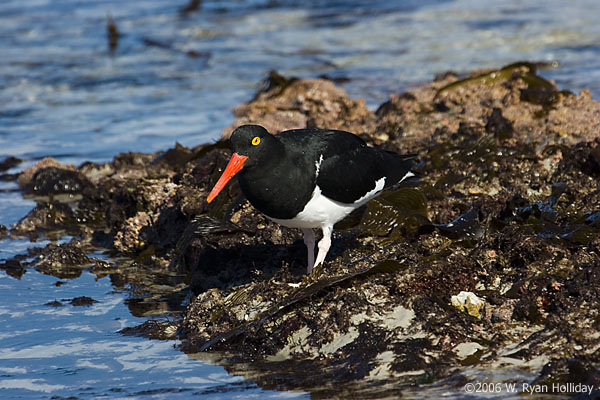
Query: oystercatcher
309	178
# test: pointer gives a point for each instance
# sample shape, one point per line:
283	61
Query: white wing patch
318	165
408	175
379	185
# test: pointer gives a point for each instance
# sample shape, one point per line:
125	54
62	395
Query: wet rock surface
53	180
490	263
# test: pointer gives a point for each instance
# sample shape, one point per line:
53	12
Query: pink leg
324	245
309	241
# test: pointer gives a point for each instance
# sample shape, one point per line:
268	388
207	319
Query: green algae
404	209
525	71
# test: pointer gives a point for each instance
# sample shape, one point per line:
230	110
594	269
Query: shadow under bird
309	178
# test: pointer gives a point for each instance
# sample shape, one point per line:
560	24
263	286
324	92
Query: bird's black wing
350	169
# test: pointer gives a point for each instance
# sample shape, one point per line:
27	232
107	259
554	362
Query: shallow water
176	77
76	350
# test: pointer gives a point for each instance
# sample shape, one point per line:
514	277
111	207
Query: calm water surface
176	77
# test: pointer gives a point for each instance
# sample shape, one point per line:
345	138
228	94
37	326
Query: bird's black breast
281	188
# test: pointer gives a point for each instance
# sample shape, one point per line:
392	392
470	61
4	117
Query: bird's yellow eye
255	141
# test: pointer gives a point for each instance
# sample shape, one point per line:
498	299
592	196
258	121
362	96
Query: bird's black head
252	147
254	142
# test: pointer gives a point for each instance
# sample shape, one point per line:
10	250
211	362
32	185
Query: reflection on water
176	76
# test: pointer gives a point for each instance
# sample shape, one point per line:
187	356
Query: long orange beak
235	165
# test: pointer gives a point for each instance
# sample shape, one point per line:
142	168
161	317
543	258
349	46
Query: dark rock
160	330
499	126
13	267
519	241
9	162
53	180
65	261
47	217
174	158
82	301
124	205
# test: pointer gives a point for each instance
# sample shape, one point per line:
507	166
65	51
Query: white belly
322	211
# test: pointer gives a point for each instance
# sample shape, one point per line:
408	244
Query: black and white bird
309	178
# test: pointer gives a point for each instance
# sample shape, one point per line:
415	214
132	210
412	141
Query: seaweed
539	91
205	225
275	82
193	5
236	298
465	226
304	292
525	71
543	217
112	34
402	210
592	219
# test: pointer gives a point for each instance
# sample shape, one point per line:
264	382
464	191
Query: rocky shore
489	267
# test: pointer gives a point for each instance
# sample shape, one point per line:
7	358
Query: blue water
63	95
76	351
